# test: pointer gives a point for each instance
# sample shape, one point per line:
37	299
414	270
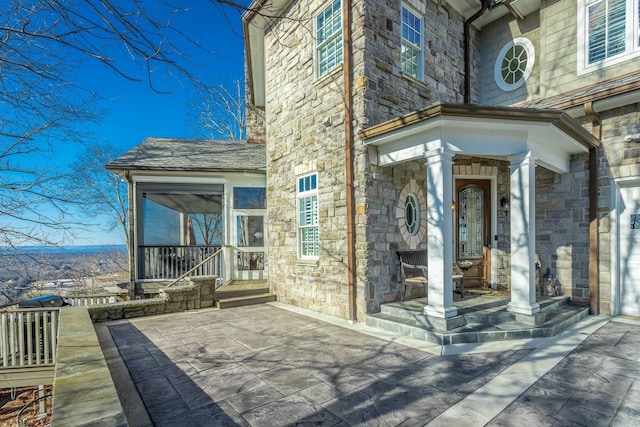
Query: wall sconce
504	204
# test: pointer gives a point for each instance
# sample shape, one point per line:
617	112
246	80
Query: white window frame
334	39
498	66
404	42
302	192
632	40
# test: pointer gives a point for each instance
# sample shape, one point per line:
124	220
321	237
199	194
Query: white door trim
616	200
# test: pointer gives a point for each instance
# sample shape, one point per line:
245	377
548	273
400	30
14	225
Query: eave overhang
497	9
180	170
259	15
482	131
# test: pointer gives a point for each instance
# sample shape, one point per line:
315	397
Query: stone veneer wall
305	134
299	143
384	93
562	208
617	159
562	226
390	94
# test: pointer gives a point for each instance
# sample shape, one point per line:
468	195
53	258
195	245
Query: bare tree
218	112
98	191
43	107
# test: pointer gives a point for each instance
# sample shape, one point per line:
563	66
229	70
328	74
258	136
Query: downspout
467	49
348	147
594	246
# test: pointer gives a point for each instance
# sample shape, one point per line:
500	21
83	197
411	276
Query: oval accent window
412	214
514	64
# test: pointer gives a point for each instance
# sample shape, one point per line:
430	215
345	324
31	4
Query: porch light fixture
504	204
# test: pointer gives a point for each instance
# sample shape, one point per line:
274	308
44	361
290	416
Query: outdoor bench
413	271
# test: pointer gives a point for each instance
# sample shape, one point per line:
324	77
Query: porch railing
171	262
91	299
28	337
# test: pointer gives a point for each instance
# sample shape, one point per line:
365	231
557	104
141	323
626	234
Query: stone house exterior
498	132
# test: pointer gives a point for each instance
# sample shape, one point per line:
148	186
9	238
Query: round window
412	214
514	64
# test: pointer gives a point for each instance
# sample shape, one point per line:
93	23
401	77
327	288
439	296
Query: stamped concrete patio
276	365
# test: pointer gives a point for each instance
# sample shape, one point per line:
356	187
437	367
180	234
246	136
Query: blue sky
135	112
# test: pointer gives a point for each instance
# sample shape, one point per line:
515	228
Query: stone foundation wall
199	293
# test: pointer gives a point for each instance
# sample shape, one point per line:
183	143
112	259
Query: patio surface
277	365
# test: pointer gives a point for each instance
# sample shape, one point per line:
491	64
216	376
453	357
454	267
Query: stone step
491	312
245	300
557	321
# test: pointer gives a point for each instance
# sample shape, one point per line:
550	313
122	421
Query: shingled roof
171	154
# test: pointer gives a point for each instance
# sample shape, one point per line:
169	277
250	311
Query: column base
528	309
441	324
440	312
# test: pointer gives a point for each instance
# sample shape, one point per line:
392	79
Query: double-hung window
411	50
609	32
308	236
329	38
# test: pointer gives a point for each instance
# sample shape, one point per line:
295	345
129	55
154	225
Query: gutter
348	147
594	244
467	49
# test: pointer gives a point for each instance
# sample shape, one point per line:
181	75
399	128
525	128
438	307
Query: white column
522	214
440	233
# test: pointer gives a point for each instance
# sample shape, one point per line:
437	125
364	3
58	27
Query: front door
473	230
249	248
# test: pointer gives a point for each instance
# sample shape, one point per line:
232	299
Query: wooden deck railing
171	262
28	337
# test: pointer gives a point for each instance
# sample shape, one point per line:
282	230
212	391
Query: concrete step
222	293
245	300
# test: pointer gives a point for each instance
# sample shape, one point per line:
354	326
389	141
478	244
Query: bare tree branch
219	112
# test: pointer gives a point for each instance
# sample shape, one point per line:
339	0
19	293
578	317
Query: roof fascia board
479	113
551	135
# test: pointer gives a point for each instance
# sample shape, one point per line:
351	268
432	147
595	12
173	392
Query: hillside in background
45	270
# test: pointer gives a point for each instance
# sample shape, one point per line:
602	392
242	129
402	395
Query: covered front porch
466	196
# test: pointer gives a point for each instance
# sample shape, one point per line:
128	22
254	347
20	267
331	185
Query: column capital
439	155
522	159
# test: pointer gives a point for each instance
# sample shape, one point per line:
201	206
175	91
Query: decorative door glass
471	222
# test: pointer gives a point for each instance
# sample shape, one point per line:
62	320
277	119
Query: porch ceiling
188	203
482	131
